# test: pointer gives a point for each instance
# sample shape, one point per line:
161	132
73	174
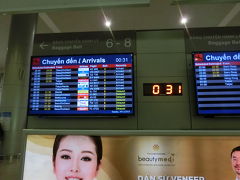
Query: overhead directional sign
85	43
43	45
29	6
212	39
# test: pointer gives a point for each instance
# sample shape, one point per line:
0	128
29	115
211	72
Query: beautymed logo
156	157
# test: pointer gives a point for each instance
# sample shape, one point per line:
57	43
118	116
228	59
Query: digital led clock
162	89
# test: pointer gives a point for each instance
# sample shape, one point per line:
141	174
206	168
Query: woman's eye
86	159
65	157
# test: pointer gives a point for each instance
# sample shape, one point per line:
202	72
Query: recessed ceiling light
184	20
108	23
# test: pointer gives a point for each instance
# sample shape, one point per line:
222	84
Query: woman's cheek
90	168
61	167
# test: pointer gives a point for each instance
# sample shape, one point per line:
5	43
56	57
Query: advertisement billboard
131	157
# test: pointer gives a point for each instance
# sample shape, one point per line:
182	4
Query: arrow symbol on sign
43	45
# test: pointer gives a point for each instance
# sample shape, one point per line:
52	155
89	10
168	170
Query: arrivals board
217	82
81	85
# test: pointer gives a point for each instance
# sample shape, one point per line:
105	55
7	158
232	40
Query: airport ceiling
159	14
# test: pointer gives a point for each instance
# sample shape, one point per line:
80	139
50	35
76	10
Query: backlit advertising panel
77	157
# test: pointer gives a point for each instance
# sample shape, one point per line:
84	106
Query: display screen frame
220	112
79	114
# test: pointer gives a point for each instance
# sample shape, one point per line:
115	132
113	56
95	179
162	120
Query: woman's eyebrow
66	150
88	152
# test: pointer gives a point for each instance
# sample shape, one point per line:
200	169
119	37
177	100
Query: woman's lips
73	178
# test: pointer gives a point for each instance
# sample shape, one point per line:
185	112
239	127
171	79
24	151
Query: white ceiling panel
160	14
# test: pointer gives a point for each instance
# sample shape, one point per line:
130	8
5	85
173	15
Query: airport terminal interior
157	80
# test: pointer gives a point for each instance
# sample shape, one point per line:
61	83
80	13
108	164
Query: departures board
82	85
217	82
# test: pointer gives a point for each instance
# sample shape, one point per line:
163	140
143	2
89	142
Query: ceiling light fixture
184	20
108	23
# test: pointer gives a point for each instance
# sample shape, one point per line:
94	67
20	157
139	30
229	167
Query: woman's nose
74	170
75	166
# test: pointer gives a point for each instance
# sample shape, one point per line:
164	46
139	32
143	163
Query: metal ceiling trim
182	2
26	6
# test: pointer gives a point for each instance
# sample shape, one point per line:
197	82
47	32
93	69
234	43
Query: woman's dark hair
96	140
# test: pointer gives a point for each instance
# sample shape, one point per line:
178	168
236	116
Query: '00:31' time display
162	89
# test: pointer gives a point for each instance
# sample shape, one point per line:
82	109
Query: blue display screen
217	82
82	85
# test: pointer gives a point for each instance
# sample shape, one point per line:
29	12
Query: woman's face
76	159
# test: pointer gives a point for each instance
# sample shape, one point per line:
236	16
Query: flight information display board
217	82
82	85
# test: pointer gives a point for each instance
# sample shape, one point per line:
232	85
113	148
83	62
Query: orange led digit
156	89
180	89
169	89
